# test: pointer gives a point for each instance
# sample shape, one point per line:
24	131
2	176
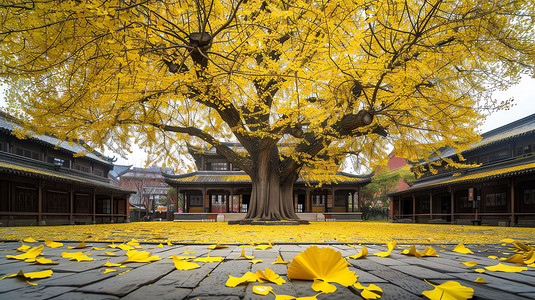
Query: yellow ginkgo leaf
217	246
30	254
370	292
52	244
30	240
109	271
188	252
97	248
235	281
184	265
509	241
44	261
264	247
362	253
78	256
484	250
280	261
449	290
326	264
480	280
113	246
269	276
262	289
209	259
324	287
158	236
530	258
79	246
523	247
255	261
391	245
470	263
480	270
182	257
140	257
493	257
284	297
133	242
23	248
429	252
125	247
109	253
460	248
34	275
412	252
160	245
169	243
515	259
138	247
245	256
505	268
109	264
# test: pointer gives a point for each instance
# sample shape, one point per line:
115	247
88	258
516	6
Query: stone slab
82	278
497	283
404	281
186	278
36	292
393	292
121	285
160	293
421	272
85	296
485	291
214	285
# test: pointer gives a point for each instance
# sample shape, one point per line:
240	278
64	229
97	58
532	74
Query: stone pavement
399	276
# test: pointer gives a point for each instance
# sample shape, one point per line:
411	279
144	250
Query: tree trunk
271	197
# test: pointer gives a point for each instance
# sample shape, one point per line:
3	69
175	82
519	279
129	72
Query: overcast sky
524	105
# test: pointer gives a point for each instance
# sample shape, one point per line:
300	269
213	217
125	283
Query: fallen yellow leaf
449	290
460	248
480	280
325	264
209	259
109	264
470	263
391	245
235	281
78	256
140	257
109	271
30	240
184	265
269	276
370	292
217	246
324	287
362	254
264	247
505	268
79	246
280	261
30	254
51	244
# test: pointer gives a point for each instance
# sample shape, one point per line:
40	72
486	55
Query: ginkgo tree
299	84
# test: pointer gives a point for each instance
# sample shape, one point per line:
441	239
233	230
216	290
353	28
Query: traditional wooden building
501	191
219	187
44	180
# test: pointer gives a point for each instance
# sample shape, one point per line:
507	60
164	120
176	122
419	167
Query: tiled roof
8	124
506	169
514	129
240	177
15	164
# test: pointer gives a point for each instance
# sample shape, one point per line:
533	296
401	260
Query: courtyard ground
135	261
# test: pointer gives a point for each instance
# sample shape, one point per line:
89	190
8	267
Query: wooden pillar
452	208
71	205
206	199
308	204
111	208
513	221
431	205
413	208
295	201
39	201
94	206
358	200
